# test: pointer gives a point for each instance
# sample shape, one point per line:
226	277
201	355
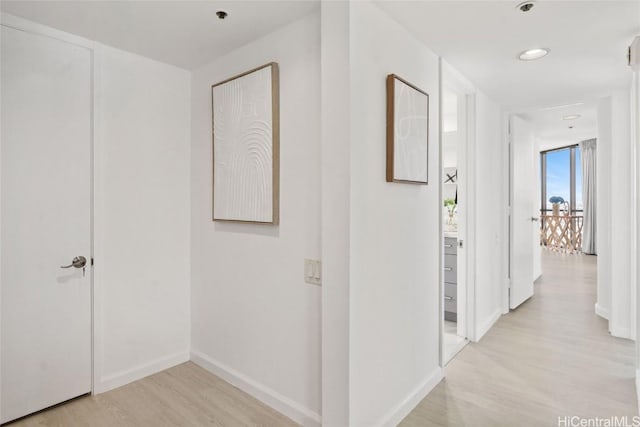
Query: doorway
547	192
454	214
47	128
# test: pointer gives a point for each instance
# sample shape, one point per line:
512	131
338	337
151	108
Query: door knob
77	262
534	219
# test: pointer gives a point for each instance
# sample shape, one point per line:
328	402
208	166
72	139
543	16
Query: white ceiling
552	131
481	39
183	33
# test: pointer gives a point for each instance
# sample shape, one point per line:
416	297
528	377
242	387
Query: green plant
450	204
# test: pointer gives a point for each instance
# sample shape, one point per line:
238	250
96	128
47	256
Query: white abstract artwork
246	147
407	133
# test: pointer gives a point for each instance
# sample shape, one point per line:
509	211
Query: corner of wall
189	210
483	328
138	372
413	398
601	311
238	313
267	395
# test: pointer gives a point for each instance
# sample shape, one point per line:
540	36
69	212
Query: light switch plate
312	271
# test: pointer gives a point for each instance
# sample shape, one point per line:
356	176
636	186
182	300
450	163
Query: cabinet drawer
451	290
450	245
451	305
451	268
451	261
452	317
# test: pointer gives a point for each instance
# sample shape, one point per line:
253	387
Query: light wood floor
185	395
551	357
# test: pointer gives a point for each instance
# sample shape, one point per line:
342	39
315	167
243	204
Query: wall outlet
312	271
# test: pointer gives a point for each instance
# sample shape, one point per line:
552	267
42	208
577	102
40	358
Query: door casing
452	80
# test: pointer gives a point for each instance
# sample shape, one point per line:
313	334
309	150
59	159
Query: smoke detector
526	6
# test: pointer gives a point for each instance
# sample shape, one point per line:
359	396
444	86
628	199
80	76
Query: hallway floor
552	357
185	395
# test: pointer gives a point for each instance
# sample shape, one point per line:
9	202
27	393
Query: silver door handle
448	297
448	268
448	246
77	262
534	219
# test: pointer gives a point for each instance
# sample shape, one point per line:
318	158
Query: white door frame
506	255
97	196
457	83
635	143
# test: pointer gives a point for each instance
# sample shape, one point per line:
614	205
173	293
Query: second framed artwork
246	147
407	132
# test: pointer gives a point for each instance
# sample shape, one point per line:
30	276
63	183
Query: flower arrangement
556	201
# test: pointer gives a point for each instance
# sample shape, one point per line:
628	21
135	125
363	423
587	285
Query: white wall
620	215
335	210
255	321
395	241
490	214
142	216
449	149
603	221
635	123
615	251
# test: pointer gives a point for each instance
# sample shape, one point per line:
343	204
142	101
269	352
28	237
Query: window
561	175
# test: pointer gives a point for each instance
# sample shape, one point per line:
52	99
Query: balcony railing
561	233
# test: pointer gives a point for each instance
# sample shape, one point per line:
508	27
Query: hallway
551	357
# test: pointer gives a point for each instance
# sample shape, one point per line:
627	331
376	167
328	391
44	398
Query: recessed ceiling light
531	54
571	117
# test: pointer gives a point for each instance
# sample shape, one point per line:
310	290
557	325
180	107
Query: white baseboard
619	332
638	388
266	395
121	378
600	311
408	404
484	327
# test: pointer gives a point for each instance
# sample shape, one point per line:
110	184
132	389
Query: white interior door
523	225
46	222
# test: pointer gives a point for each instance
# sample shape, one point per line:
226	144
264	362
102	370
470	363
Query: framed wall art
407	132
246	147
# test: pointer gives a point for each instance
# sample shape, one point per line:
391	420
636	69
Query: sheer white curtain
589	196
